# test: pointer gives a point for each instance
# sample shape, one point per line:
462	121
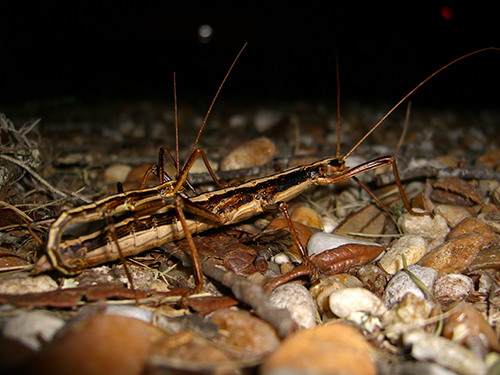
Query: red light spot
447	13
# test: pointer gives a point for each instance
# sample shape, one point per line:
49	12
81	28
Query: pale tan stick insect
231	204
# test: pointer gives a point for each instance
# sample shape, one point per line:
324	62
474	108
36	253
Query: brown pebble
252	153
454	255
466	323
306	215
329	349
103	344
472	224
247	335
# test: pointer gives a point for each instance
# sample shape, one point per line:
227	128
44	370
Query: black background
98	52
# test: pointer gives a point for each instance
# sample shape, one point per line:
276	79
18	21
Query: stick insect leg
32	224
112	234
178	203
305	259
377	163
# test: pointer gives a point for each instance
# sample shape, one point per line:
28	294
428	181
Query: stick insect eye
336	163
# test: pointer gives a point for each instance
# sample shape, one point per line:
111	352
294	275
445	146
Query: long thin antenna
215	98
405	128
338	104
177	162
412	91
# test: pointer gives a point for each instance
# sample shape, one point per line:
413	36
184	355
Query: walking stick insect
136	204
230	205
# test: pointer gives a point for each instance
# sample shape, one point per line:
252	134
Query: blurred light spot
447	13
204	33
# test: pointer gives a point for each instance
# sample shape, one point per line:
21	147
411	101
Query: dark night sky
97	52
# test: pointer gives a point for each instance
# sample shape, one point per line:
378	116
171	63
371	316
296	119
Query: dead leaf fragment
343	257
467	194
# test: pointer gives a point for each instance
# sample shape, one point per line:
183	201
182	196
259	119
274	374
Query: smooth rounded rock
252	153
401	284
453	287
298	301
33	328
452	214
454	255
429	347
328	349
413	247
346	301
425	226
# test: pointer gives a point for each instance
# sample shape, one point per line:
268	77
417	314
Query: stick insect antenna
215	98
412	91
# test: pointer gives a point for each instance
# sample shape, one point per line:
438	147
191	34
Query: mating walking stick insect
137	232
71	260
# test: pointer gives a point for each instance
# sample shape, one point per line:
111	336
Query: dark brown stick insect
229	205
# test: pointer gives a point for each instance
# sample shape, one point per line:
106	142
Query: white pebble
237	121
413	248
401	284
425	226
453	286
265	118
130	312
321	241
428	347
344	302
116	173
32	327
298	301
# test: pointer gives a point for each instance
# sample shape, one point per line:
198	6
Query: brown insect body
136	232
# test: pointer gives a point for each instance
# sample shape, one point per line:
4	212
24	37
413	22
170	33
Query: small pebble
344	302
409	313
413	247
306	216
454	255
321	241
329	223
372	277
401	284
474	225
425	226
467	326
21	283
252	153
101	344
492	219
453	287
328	349
130	312
452	214
116	173
252	337
266	118
429	347
33	328
298	301
322	290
